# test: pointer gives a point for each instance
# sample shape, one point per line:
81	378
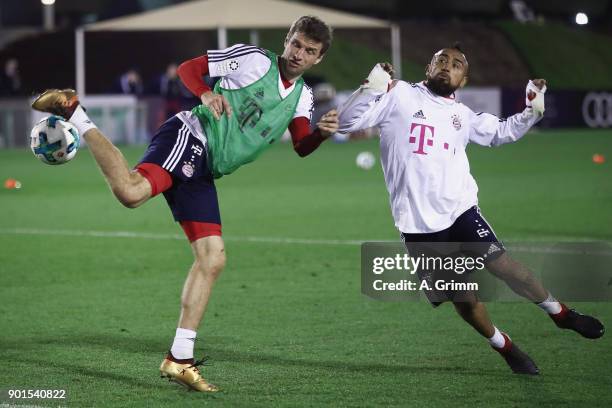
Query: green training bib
260	117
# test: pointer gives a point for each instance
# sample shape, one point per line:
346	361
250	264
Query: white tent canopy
221	15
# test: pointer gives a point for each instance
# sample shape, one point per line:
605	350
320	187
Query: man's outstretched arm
366	107
305	141
489	130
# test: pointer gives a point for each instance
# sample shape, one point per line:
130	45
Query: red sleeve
304	142
191	73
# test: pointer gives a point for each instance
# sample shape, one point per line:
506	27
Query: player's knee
127	197
501	266
466	306
217	264
134	192
211	263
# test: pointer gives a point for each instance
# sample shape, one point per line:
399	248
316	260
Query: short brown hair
313	28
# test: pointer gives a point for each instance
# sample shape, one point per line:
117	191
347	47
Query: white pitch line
147	235
99	234
276	240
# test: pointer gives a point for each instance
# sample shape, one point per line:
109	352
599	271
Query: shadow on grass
75	370
149	349
219	354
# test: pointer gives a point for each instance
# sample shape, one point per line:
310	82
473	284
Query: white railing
122	118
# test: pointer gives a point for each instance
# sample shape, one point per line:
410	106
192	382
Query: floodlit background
90	290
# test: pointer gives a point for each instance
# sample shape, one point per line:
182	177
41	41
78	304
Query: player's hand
216	103
328	124
379	78
540	83
388	68
534	95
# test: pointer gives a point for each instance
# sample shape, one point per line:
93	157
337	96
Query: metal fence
123	118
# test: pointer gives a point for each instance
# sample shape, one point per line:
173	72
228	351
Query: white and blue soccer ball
54	141
365	160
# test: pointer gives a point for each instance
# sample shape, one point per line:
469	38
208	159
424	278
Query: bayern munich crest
456	122
187	169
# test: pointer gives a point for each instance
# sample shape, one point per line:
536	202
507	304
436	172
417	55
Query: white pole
221	38
49	16
254	37
80	61
396	50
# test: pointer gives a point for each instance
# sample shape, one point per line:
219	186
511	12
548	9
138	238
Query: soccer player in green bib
258	97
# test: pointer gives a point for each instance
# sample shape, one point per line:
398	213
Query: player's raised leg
474	312
128	185
193	197
522	281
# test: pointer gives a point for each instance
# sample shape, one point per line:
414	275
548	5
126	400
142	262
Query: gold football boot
60	102
187	375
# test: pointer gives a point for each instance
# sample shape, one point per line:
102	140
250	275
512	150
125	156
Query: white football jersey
241	65
423	138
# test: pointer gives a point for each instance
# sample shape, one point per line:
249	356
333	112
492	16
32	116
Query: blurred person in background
10	80
325	100
130	83
424	133
259	96
324	95
172	90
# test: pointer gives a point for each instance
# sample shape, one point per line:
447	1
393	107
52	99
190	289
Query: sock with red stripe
553	307
500	341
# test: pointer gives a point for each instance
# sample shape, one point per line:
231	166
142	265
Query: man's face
300	54
447	71
11	66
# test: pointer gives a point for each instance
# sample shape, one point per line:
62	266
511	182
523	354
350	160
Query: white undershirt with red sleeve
241	65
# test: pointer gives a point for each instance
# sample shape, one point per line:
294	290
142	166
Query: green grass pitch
93	312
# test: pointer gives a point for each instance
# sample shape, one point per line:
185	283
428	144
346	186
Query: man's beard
440	86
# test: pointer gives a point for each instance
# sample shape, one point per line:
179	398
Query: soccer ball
365	160
54	141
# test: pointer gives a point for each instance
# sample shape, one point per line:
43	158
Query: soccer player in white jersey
258	97
423	136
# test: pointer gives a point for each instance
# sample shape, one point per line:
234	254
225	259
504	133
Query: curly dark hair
457	45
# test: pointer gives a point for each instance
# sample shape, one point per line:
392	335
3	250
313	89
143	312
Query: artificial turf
90	290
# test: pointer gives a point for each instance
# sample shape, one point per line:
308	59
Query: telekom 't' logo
422	137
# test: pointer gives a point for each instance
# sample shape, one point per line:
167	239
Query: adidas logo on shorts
493	248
